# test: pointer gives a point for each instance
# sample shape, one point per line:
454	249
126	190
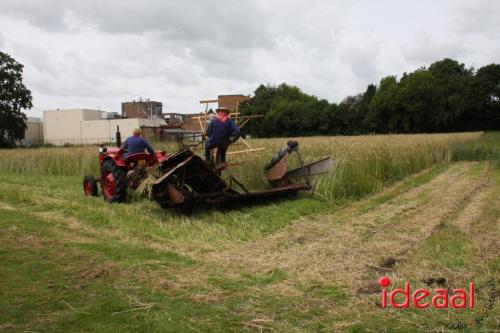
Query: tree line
445	97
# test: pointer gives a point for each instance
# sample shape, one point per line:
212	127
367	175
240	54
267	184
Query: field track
347	246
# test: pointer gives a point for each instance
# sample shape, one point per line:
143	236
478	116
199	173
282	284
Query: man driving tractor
221	132
137	144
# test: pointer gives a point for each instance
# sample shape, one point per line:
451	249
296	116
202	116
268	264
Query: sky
98	53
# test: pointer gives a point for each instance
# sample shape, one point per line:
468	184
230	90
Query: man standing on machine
221	132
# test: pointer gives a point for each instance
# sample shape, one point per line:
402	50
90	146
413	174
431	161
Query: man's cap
222	109
137	131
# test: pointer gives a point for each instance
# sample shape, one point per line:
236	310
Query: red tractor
120	172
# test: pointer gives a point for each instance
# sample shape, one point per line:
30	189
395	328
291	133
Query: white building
84	126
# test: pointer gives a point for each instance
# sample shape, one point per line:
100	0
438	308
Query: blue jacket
219	131
137	144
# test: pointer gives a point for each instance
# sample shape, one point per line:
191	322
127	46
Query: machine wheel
113	182
163	198
90	186
187	207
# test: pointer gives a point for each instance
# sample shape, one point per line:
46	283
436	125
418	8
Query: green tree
415	98
384	106
450	82
287	112
347	117
14	97
483	112
364	108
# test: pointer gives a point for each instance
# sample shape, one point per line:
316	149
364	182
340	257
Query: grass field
414	207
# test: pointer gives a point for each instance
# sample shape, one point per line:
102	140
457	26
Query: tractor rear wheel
113	182
90	186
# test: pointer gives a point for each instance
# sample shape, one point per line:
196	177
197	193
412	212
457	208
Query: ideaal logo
440	298
423	298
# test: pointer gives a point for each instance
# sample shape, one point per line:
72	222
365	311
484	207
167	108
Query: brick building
231	102
142	109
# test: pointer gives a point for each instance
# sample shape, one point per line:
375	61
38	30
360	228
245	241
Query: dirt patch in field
6	206
471	213
92	273
481	222
345	247
214	297
7	327
32	242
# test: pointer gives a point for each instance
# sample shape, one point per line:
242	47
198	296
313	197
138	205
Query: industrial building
33	135
85	126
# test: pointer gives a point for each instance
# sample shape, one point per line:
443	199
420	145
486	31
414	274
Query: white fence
78	141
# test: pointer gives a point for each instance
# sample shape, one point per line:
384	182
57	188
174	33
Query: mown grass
458	257
60	197
101	284
45	288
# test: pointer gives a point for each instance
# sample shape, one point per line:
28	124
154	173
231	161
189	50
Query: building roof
34	120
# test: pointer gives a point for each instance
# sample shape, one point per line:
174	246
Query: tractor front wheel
90	186
113	182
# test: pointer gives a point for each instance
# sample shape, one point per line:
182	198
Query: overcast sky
98	53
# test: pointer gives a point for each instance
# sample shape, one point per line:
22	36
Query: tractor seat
135	158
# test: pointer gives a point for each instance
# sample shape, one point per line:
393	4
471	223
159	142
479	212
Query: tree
287	111
364	108
382	115
14	97
450	80
416	97
347	119
483	112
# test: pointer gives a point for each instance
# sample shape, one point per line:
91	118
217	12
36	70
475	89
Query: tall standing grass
363	164
486	148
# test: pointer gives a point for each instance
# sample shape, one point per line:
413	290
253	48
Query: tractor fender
116	159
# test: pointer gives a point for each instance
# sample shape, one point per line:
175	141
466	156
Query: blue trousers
221	151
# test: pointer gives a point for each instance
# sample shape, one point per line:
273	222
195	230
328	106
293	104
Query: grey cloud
237	24
480	16
48	15
362	61
219	38
424	49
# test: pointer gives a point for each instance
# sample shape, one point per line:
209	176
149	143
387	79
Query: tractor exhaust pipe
118	137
